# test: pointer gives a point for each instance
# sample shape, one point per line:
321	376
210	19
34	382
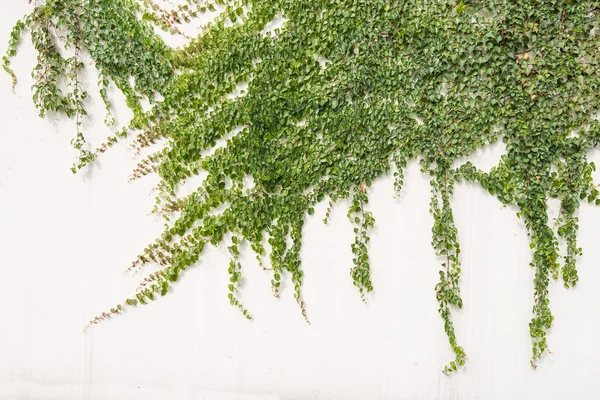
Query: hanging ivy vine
343	92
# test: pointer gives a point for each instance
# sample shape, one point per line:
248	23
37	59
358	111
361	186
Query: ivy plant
343	92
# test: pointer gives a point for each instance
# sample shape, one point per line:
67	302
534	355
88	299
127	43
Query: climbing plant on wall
345	91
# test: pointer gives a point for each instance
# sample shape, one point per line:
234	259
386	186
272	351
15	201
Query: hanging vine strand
341	93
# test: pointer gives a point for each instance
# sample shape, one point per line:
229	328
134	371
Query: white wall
66	239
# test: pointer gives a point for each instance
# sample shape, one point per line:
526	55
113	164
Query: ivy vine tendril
343	92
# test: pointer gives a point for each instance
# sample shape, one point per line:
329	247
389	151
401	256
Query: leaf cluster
345	91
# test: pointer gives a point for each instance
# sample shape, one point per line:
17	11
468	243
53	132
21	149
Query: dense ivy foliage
345	91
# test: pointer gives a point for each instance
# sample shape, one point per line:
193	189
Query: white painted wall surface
66	239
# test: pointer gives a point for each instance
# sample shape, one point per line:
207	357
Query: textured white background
66	239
